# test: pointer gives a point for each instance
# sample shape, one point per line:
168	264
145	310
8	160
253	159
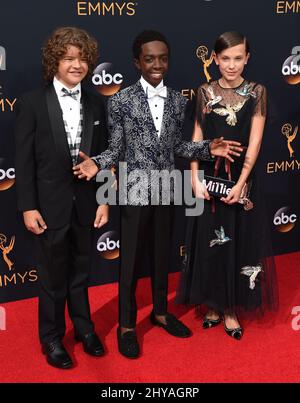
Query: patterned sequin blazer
133	138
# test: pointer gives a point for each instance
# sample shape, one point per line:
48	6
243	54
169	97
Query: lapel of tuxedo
58	128
87	130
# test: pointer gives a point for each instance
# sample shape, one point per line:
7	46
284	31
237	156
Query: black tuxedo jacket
44	176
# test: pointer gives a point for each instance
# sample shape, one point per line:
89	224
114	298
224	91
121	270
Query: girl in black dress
228	264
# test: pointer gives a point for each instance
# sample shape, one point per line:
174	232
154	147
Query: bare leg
213	315
231	321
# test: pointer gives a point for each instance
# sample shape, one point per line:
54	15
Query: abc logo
7	177
106	80
291	67
284	220
109	245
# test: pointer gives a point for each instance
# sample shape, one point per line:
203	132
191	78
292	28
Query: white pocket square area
97	122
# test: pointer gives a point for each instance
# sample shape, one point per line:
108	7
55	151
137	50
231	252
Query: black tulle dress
228	265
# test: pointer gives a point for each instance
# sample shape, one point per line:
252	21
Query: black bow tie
69	93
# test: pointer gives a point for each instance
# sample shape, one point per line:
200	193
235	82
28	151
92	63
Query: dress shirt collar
146	85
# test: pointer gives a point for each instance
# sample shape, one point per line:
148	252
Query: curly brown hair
57	45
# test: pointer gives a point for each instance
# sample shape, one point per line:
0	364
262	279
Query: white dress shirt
70	107
156	104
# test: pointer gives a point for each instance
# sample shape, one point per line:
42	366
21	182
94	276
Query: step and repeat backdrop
273	30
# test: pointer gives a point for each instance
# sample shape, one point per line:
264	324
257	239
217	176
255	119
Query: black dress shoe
208	323
128	344
91	344
173	325
56	355
236	333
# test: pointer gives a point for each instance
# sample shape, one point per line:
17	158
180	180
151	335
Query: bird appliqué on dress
252	272
221	238
213	99
245	91
229	110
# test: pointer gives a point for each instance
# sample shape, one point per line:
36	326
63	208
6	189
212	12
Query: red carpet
268	352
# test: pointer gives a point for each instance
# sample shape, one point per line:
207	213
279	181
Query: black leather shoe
173	326
236	333
128	344
91	344
208	323
57	355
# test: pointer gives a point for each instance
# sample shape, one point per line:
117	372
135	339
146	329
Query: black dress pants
63	260
144	227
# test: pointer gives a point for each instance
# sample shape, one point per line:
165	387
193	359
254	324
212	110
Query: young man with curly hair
53	124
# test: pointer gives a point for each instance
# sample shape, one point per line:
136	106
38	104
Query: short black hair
229	39
145	37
